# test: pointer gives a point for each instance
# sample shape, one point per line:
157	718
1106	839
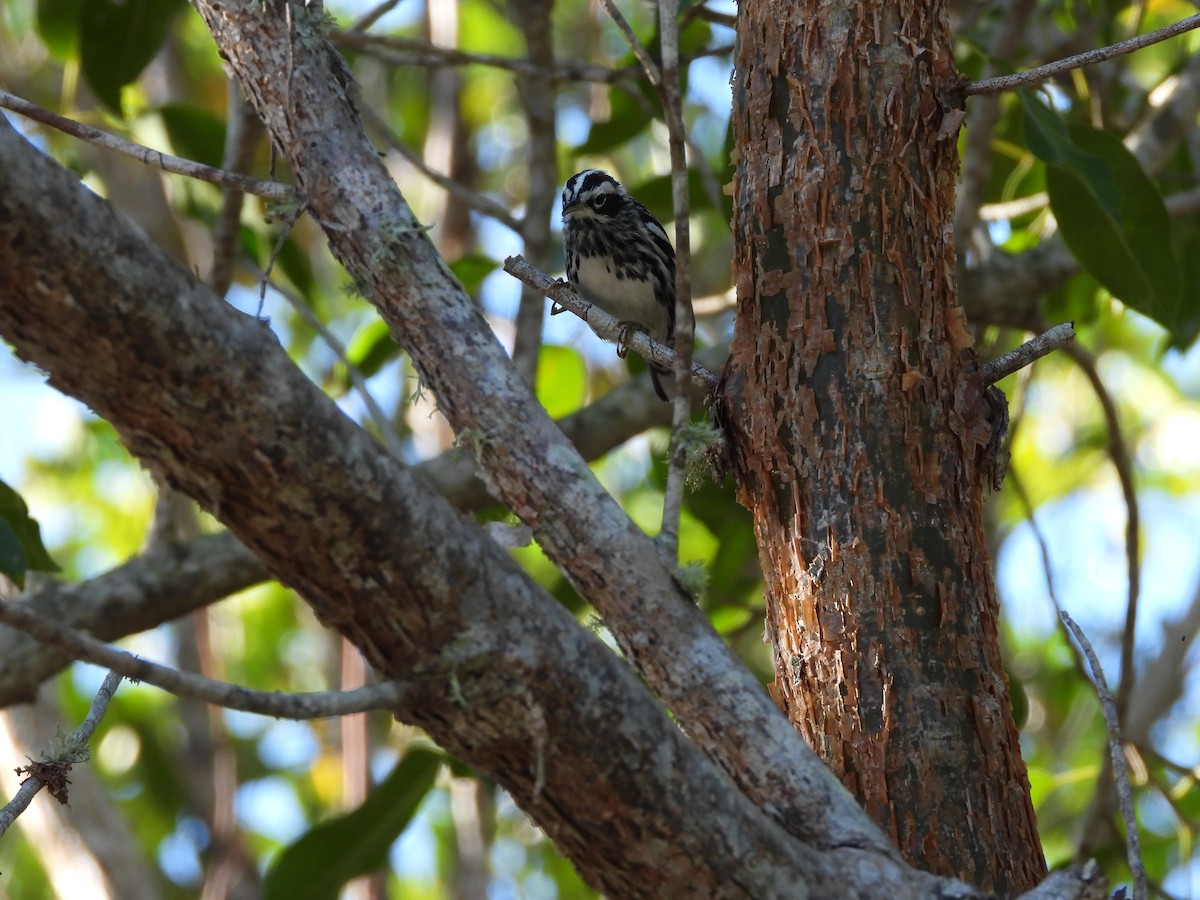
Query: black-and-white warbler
619	257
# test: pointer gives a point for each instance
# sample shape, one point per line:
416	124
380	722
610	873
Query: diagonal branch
600	321
158	587
269	190
205	394
1091	57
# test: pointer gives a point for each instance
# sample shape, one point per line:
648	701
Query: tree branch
669	90
269	190
312	705
143	593
155	588
1029	352
600	321
1041	73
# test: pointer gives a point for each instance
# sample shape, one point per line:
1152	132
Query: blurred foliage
149	72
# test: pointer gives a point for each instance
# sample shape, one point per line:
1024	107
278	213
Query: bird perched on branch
619	257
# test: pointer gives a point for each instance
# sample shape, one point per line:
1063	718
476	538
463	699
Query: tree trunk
859	427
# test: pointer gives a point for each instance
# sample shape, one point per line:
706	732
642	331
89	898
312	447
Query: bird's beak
572	209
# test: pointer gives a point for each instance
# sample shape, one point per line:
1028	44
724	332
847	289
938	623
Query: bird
620	258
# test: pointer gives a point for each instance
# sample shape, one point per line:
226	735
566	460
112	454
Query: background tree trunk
859	423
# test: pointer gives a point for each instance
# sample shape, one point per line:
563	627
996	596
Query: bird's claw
555	306
625	330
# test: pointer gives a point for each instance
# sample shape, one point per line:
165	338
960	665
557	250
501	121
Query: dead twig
51	771
1029	352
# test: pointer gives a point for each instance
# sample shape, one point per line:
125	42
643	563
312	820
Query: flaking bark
856	410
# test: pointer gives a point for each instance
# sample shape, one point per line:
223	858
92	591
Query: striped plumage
619	257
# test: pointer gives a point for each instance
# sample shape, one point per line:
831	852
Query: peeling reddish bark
858	422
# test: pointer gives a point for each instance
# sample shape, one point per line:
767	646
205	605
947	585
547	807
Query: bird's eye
602	202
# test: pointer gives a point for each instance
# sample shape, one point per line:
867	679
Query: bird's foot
626	329
555	308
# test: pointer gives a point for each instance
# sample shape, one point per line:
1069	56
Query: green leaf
296	264
656	195
12	556
321	861
372	348
629	117
58	24
561	380
1186	325
194	132
1130	252
1053	142
21	546
1111	216
472	268
118	38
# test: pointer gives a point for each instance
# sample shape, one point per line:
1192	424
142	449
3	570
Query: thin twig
538	95
373	15
479	202
242	132
387	433
405	51
270	190
1029	352
670	93
1122	462
601	322
1039	538
1041	73
639	49
73	749
1117	754
293	217
314	705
